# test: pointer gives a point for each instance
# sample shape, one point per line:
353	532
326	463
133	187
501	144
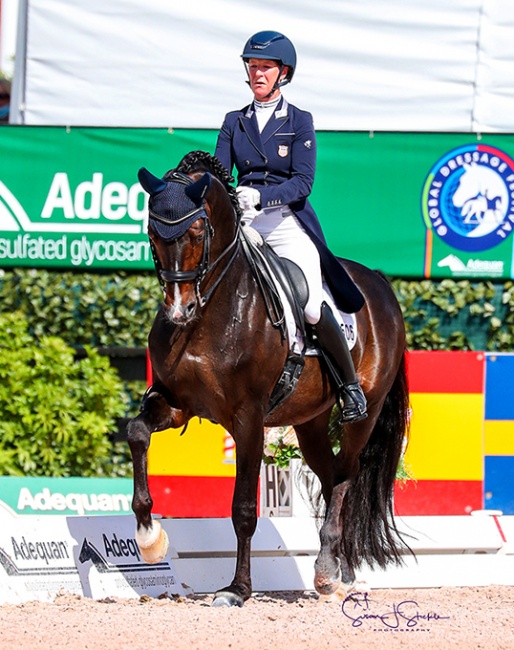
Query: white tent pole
17	111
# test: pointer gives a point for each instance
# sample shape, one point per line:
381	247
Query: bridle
198	274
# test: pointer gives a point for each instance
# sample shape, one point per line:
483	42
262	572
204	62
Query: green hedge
117	309
56	411
108	310
457	315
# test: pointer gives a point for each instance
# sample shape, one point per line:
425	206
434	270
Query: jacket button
247	163
266	160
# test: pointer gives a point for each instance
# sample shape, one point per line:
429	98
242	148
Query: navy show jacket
280	162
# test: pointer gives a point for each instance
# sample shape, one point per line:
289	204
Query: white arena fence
97	556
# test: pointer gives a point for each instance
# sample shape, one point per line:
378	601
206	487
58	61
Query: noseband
197	274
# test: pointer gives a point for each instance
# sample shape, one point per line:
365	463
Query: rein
233	244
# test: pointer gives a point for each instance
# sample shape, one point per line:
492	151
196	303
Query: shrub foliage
55	411
117	309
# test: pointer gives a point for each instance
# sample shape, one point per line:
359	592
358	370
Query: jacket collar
282	110
275	122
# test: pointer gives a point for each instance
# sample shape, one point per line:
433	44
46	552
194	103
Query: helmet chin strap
278	84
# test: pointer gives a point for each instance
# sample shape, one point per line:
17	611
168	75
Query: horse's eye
200	238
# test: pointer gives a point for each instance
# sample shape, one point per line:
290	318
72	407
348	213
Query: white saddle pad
347	322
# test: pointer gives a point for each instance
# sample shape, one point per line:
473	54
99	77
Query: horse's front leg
249	438
155	415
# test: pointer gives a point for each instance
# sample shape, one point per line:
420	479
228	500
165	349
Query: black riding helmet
272	46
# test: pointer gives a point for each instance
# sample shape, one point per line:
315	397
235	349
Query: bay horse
216	354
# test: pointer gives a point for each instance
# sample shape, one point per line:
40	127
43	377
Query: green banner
381	204
410	204
66	496
70	197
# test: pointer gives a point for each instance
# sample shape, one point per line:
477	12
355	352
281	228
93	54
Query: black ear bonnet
175	203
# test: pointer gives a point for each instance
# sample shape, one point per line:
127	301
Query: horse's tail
369	532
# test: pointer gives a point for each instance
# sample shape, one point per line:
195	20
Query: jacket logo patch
283	150
308	144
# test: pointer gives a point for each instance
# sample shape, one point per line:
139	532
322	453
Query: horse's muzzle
180	314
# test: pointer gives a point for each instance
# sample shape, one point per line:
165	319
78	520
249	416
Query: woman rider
272	144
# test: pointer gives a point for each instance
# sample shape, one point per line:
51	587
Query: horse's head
182	206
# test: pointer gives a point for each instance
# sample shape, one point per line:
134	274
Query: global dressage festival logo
468	197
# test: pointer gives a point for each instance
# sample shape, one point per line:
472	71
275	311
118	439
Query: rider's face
263	75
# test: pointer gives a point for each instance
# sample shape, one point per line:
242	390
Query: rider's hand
249	198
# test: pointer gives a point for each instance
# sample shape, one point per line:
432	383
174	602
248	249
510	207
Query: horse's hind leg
346	468
156	415
332	572
330	567
335	473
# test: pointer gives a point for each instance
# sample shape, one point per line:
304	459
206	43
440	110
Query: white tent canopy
8	21
362	64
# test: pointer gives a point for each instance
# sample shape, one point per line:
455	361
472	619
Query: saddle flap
297	281
293	282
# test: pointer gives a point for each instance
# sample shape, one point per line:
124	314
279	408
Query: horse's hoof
327	586
153	544
344	590
227	599
338	595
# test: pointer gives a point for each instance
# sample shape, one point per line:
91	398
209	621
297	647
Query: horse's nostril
189	310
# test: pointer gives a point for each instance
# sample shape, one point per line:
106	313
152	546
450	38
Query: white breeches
284	233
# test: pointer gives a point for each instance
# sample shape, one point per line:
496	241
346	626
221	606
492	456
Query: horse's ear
150	183
197	191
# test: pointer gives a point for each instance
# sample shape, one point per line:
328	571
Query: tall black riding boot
340	363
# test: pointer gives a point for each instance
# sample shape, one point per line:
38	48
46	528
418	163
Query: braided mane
203	161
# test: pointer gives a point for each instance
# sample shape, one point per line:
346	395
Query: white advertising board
96	557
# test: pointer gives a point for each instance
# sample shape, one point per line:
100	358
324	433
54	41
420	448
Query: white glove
248	197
